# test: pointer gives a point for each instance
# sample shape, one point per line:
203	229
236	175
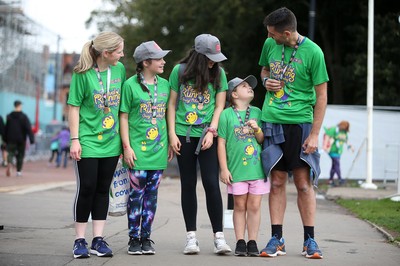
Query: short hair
17	103
281	19
344	125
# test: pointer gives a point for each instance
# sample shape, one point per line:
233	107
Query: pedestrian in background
334	139
54	148
196	101
239	132
295	77
63	138
94	100
145	142
17	130
2	143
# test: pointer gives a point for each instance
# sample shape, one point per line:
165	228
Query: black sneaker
135	246
146	246
241	249
252	249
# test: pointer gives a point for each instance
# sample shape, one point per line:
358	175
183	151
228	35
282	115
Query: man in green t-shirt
295	77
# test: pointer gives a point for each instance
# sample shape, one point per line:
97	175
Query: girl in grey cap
145	141
197	98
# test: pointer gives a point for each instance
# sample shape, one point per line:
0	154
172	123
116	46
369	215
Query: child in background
145	141
53	149
241	168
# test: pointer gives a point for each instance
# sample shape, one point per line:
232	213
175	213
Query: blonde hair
105	41
344	126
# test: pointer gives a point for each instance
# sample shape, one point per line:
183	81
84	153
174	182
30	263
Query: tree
341	32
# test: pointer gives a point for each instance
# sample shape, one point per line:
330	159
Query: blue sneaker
81	249
100	248
311	249
275	247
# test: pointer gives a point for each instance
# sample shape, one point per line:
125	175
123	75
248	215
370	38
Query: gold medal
245	130
200	106
154	121
106	110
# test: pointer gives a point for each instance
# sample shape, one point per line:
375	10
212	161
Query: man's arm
311	143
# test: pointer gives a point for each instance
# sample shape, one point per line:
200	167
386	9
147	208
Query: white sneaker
19	173
192	245
220	245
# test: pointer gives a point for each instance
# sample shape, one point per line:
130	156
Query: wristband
213	131
264	80
75	138
258	131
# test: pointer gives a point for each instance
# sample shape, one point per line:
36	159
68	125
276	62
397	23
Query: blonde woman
94	101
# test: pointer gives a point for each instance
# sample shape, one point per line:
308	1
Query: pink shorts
255	187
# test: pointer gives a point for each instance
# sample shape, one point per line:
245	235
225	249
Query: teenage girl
196	102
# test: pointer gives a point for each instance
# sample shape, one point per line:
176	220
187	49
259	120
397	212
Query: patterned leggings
142	203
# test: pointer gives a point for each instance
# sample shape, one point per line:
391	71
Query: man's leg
277	207
307	205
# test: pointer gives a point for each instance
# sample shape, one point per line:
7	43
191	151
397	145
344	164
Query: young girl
196	102
94	98
145	142
241	168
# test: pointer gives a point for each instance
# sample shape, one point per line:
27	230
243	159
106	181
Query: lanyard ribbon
105	92
291	57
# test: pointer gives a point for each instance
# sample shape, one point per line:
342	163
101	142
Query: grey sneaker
192	245
220	245
135	246
146	246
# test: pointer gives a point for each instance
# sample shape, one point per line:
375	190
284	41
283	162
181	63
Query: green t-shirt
149	141
294	103
339	139
98	131
190	110
242	149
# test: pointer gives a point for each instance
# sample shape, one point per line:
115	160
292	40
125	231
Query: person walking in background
145	142
17	130
2	143
295	77
334	139
94	100
63	142
198	93
241	169
54	146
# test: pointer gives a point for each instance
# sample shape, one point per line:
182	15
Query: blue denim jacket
272	152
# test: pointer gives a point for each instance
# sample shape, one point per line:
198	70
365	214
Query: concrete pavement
36	211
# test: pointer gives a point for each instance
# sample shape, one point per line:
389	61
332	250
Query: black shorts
291	149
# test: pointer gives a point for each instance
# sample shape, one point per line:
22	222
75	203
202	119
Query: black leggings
209	169
94	176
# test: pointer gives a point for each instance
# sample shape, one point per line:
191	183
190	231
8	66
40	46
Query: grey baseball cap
149	50
233	83
209	46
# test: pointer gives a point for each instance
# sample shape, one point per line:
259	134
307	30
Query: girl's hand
75	150
175	144
208	141
225	176
129	157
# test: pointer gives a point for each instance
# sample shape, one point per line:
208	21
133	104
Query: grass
384	213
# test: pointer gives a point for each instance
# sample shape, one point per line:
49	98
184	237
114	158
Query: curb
389	237
24	189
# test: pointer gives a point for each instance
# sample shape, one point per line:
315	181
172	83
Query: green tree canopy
341	31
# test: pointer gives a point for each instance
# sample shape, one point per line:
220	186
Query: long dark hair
197	69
